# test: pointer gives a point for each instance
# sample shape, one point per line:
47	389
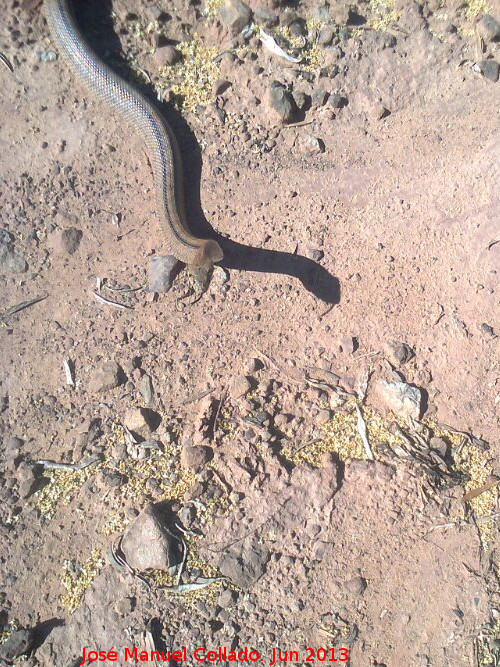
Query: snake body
160	142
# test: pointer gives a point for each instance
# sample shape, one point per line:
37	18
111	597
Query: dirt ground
368	220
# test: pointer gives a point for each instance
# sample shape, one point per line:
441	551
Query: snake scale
158	137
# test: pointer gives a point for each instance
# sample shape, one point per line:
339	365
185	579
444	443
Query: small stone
220	87
11	261
161	272
312	145
315	254
398	353
490	69
336	101
348	344
146	389
326	35
235	15
148	544
141	421
240	386
378	111
19	643
282	102
319	98
356	586
487	330
403	399
108	376
253	365
302	100
167	56
227	598
197	457
488	28
70	240
323	416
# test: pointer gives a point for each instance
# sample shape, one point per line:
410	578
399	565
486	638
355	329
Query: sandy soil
384	230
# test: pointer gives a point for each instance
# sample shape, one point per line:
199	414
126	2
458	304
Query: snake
161	145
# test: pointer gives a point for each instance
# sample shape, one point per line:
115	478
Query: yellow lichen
191	81
76	579
382	14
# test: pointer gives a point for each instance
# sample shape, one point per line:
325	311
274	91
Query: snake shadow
95	20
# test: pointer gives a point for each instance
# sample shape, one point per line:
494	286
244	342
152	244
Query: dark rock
235	15
302	100
398	353
19	643
315	255
488	28
148	544
337	101
141	421
220	87
282	102
490	69
487	330
161	273
108	376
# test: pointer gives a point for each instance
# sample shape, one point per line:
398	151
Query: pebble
141	421
146	390
167	55
148	544
488	28
162	270
348	344
398	353
488	330
403	399
337	101
302	100
240	386
227	598
108	376
282	102
356	586
312	145
235	15
315	255
490	69
197	457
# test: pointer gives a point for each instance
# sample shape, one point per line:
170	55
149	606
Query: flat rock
240	386
148	544
235	15
197	457
109	376
11	261
405	400
162	270
246	567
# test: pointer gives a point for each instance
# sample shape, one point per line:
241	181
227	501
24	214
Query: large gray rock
235	15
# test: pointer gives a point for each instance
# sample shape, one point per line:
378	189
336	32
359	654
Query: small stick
108	302
54	465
